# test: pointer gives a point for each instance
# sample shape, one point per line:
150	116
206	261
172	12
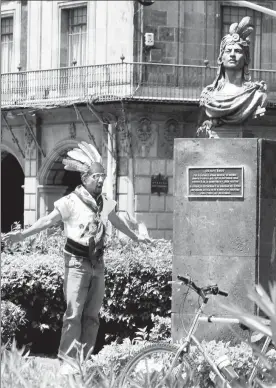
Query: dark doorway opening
12	194
71	179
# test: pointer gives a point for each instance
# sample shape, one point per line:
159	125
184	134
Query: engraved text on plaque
215	182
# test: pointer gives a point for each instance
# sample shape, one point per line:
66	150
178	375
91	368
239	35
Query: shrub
12	319
117	355
48	242
161	330
19	370
136	285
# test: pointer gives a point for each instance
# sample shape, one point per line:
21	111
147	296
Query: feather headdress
82	159
238	33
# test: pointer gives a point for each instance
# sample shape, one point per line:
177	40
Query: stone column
30	183
111	162
47	195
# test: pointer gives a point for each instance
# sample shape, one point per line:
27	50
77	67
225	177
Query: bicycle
164	365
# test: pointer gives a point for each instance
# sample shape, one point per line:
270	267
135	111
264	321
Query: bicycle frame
185	347
235	320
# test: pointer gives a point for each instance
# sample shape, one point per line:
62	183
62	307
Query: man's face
233	57
94	182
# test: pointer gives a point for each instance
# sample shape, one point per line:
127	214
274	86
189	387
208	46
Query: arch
52	171
11	149
12	194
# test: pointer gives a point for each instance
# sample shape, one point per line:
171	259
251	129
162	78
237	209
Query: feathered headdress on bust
238	33
82	159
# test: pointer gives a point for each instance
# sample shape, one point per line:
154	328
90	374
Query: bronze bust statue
232	98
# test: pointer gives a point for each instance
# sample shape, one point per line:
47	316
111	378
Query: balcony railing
111	82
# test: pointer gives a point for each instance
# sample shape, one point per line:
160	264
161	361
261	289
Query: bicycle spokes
155	371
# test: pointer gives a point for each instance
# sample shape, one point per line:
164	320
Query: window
6	44
73	36
235	14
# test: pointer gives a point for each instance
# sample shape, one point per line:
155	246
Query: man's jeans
84	289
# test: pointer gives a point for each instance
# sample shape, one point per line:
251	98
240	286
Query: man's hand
143	239
12	237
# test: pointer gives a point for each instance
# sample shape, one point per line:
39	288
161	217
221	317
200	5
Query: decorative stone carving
29	142
170	131
72	130
104	141
109	118
232	98
123	137
145	136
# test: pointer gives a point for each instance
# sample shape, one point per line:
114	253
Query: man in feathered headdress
232	98
85	213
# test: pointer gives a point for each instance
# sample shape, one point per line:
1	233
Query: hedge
115	356
13	318
136	287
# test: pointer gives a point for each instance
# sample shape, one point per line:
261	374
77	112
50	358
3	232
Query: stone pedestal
224	223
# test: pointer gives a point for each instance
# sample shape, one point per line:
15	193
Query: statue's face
233	57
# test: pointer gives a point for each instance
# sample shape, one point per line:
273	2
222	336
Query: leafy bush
116	355
48	242
12	319
19	370
161	330
266	304
136	284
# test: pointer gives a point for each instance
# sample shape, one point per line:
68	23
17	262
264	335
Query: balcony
114	82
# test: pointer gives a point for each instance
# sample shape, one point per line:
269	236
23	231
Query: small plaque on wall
159	184
215	182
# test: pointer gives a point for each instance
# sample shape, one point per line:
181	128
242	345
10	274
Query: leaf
256	336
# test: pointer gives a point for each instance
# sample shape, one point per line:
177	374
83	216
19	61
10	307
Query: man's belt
76	249
87	251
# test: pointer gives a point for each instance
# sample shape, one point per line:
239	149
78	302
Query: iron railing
111	82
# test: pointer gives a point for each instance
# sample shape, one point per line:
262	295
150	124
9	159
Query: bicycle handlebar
202	291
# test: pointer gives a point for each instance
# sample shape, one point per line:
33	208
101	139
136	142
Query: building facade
85	70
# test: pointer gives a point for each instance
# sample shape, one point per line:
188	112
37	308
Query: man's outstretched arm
121	225
41	224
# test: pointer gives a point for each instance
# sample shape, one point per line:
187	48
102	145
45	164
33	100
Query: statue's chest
229	91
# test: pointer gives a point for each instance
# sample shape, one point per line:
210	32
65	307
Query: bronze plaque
159	184
215	182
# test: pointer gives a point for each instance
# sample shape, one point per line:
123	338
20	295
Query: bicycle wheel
150	365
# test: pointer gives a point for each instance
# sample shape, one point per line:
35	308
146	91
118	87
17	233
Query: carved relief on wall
104	141
144	136
168	133
72	130
123	136
29	143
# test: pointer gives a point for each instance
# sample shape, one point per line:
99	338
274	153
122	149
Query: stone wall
152	129
185	32
188	32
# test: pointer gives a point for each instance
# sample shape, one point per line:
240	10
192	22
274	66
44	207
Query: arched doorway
58	176
55	182
12	193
